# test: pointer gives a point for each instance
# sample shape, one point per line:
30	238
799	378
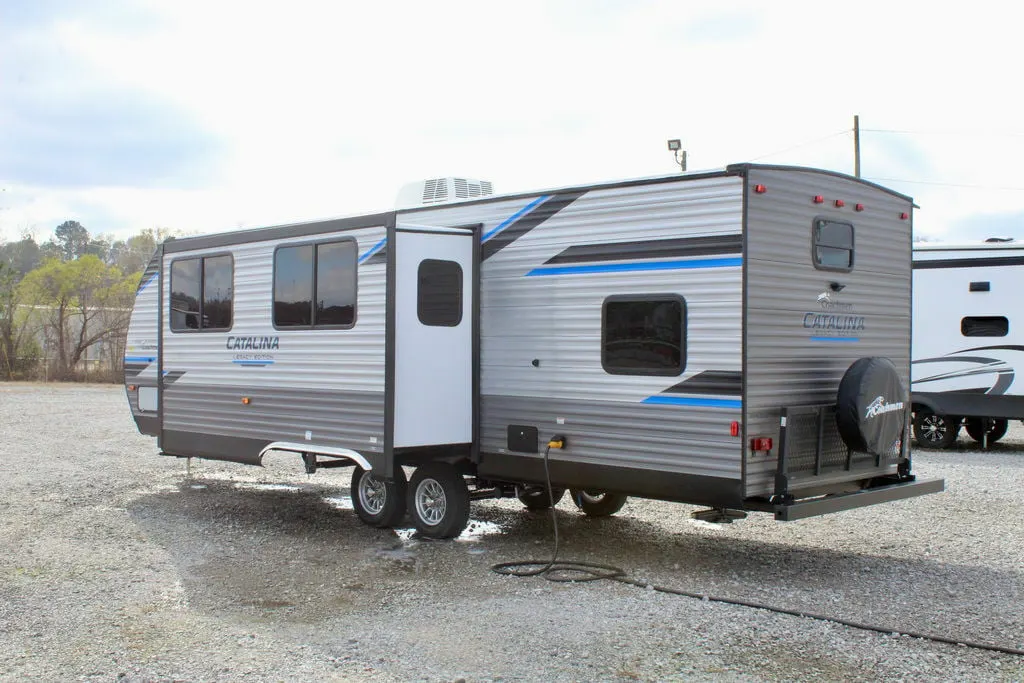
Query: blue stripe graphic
146	283
139	359
373	250
632	267
253	362
505	223
836	339
662	399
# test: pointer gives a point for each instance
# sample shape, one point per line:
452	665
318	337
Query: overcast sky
205	116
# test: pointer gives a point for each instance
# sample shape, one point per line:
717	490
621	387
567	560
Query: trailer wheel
933	430
378	502
537	498
438	500
597	503
978	426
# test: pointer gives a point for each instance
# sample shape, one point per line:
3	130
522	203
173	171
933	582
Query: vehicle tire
977	426
535	498
597	503
438	500
378	502
933	430
872	407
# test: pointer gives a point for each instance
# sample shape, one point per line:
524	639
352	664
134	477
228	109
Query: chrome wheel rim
934	428
592	496
431	502
373	494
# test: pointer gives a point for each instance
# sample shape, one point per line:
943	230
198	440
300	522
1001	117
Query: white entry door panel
433	336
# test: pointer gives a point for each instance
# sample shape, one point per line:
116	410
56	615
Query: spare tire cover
872	407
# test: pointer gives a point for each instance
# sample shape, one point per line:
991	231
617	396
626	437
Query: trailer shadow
295	553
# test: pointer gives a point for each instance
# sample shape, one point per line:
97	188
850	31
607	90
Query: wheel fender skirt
812	507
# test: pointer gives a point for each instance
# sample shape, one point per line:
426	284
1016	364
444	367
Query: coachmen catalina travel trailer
738	339
968	341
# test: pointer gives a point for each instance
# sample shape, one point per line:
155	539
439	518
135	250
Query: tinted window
985	326
293	286
185	294
644	336
833	245
439	293
217	276
336	283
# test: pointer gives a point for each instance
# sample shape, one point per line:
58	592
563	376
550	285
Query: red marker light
904	215
760	189
818	199
734	428
839	203
859	207
761	443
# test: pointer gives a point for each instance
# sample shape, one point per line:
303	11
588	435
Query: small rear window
985	326
832	245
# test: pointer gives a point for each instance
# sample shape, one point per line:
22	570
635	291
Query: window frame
312	316
202	293
419	289
814	245
646	298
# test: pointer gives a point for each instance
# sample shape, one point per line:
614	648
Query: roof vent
441	191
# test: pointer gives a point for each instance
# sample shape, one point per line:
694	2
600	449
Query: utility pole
856	146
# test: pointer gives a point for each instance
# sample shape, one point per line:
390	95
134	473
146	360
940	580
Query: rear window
832	245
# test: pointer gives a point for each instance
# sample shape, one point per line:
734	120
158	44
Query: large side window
202	293
832	246
315	285
439	293
644	335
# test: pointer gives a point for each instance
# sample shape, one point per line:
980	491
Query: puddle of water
266	487
399	554
340	502
475	530
197	486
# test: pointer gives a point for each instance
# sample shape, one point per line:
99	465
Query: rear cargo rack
811	452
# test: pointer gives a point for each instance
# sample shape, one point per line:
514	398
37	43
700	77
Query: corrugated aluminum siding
783	365
330	382
556	320
141	342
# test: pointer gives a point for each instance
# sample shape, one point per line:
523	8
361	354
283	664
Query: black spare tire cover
871	407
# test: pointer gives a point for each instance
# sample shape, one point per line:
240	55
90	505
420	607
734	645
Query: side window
985	326
832	245
644	335
202	293
315	285
439	293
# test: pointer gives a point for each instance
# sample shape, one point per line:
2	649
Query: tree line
65	303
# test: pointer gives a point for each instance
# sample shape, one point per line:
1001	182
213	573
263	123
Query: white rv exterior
968	340
680	337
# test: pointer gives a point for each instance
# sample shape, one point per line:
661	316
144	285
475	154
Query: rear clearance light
131	387
904	215
760	189
818	199
839	203
859	207
734	429
761	443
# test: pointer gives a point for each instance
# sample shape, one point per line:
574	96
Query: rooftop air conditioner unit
441	191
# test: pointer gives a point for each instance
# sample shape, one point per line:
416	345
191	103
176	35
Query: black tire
872	407
438	500
597	503
977	426
378	502
535	498
933	430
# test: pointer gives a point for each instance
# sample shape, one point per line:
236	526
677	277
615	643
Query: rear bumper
800	509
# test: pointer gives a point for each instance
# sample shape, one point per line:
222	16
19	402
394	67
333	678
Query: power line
802	144
941	184
984	133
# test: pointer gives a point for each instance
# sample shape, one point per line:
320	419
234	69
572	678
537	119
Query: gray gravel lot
115	565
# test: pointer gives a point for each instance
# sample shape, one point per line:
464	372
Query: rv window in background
323	273
201	293
985	326
644	335
832	245
439	293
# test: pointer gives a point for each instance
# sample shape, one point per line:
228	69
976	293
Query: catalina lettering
825	321
252	343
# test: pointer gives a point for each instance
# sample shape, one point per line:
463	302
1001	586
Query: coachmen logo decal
880	407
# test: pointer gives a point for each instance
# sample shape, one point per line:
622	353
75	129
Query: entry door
434	308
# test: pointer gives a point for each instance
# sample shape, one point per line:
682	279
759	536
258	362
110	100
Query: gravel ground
117	565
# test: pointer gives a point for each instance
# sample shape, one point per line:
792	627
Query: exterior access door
434	308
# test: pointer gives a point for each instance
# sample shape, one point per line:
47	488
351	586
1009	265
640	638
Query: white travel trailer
967	346
738	339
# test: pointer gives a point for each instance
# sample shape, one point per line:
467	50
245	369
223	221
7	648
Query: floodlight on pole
676	147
